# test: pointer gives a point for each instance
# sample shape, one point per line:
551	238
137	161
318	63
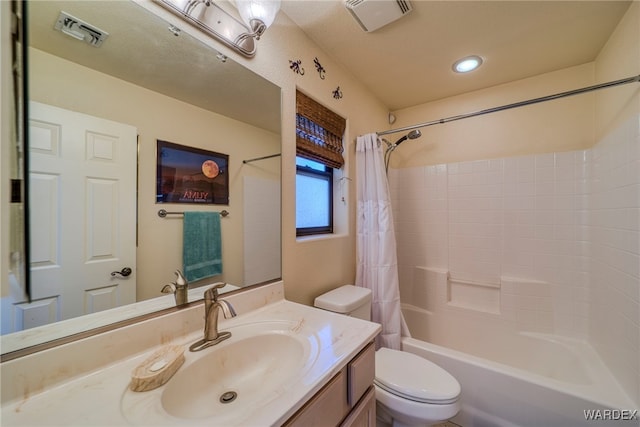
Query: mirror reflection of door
79	160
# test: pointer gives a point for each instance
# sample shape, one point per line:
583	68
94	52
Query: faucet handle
180	279
212	292
169	289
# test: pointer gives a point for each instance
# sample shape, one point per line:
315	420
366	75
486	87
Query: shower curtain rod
515	105
260	158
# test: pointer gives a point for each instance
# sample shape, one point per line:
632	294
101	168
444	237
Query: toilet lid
412	377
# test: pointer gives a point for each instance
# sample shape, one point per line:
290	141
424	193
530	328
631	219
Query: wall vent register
372	14
80	30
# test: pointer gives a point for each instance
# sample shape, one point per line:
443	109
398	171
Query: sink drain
228	397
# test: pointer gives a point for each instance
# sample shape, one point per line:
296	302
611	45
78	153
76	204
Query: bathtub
519	379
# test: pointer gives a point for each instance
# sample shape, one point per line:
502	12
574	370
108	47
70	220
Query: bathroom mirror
152	79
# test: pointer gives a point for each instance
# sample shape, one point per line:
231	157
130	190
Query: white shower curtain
377	267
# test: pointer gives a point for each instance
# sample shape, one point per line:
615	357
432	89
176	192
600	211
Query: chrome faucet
212	306
179	289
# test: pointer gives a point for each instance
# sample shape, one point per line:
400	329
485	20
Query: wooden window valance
319	132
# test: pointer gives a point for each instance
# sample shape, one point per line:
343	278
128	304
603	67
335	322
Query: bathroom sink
230	380
241	373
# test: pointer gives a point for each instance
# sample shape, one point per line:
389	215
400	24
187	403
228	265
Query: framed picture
191	175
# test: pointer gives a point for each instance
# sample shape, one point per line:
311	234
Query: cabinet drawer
361	372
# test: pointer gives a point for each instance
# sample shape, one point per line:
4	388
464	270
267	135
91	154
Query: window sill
316	237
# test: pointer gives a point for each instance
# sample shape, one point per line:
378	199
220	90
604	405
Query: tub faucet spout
212	307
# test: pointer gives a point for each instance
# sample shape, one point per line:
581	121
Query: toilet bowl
410	390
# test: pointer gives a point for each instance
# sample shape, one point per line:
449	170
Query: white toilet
410	390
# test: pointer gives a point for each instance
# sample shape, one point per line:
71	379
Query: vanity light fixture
467	64
223	26
258	14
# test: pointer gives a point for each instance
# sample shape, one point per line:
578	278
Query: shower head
414	134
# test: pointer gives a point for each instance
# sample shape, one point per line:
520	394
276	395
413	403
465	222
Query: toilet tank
351	300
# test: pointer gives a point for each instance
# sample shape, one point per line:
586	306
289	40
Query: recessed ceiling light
467	64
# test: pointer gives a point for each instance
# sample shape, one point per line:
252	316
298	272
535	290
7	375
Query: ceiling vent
80	30
373	14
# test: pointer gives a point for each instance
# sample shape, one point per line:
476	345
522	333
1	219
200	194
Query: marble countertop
30	337
100	397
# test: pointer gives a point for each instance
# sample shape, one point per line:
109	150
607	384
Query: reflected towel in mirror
202	245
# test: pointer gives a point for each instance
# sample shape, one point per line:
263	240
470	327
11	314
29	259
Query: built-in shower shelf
472	295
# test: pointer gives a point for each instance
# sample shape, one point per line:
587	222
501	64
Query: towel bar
163	213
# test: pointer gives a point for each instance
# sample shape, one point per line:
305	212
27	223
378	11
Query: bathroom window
314	197
319	133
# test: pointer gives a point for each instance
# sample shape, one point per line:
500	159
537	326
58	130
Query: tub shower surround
545	243
486	220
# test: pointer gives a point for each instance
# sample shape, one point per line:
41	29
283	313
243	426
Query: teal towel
202	245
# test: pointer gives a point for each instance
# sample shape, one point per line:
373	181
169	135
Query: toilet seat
411	377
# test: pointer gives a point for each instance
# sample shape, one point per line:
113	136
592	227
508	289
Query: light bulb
264	11
467	64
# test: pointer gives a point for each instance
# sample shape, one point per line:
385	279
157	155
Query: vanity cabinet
347	400
364	414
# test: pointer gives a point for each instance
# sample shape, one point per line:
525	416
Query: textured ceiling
405	63
141	50
408	62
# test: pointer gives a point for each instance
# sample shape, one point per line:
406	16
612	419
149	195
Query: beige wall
560	125
620	58
313	266
64	84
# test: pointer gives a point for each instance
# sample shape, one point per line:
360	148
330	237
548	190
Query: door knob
124	272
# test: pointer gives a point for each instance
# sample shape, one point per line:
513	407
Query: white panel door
82	178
